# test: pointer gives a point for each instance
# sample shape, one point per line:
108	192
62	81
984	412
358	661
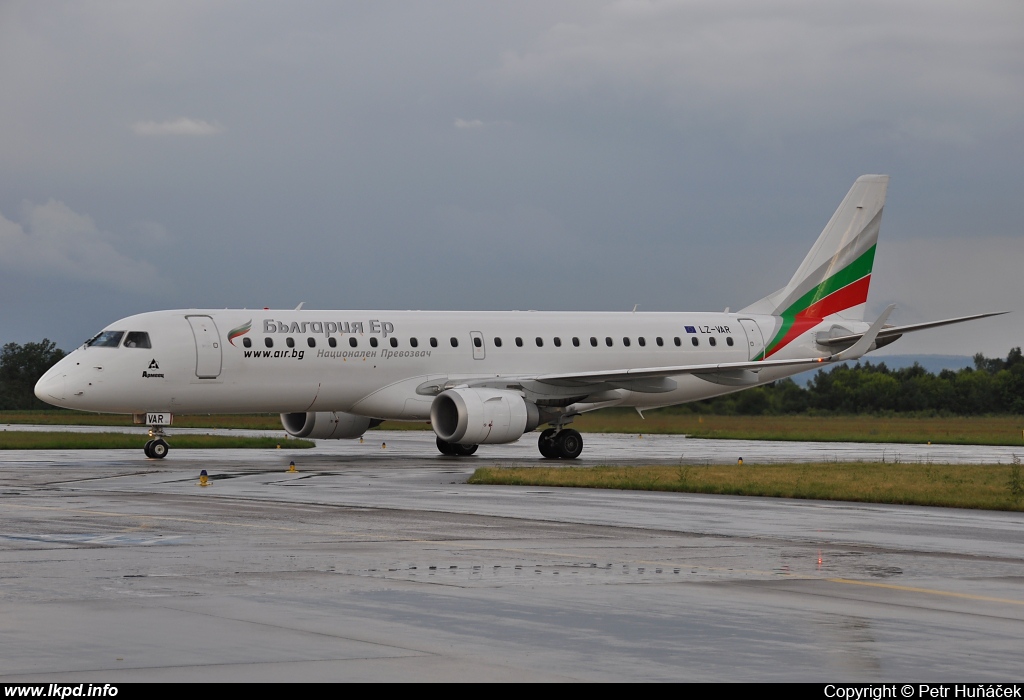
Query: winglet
861	346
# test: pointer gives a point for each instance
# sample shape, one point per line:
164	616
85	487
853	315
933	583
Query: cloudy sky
679	155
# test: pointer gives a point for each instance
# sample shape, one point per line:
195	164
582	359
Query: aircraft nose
51	386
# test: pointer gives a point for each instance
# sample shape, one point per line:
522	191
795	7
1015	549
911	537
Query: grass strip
951	430
983	486
954	430
241	421
27	440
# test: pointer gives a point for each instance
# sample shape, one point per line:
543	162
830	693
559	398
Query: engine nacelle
482	416
326	425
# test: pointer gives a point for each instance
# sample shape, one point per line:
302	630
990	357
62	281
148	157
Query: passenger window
478	343
497	342
625	342
694	341
728	340
659	341
519	342
678	341
333	342
373	342
643	343
311	342
455	342
576	342
540	342
106	339
353	342
712	341
414	343
558	342
290	342
246	342
433	342
137	339
608	342
394	342
269	342
593	341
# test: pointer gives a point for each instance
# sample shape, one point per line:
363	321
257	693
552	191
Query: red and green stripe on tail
846	288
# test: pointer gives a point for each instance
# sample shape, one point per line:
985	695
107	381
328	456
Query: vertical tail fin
835	275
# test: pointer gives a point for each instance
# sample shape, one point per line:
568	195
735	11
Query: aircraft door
477	340
755	341
208	350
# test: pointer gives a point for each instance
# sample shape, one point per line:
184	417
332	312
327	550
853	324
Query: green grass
983	486
246	421
974	430
28	440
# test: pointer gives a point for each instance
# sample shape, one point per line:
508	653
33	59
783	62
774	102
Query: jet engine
482	416
326	425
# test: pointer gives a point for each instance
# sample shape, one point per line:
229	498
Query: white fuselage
371	363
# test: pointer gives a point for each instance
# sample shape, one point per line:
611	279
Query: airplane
481	377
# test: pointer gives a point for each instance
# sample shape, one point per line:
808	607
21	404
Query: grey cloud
182	126
923	64
528	154
54	241
929	279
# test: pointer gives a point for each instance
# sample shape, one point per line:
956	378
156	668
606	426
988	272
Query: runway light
739	461
383	446
291	467
204	480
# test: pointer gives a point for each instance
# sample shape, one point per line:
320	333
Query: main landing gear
157	447
454	449
560	444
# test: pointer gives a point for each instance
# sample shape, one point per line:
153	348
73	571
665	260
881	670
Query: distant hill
932	363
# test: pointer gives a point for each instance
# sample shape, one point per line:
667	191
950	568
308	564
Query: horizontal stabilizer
894	332
864	344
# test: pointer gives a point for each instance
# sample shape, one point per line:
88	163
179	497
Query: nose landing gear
157	447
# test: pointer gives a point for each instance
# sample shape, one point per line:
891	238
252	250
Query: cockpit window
106	339
137	339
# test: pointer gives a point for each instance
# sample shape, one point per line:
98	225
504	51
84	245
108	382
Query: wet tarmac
378	562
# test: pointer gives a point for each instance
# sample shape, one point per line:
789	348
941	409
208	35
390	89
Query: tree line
992	386
21	366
